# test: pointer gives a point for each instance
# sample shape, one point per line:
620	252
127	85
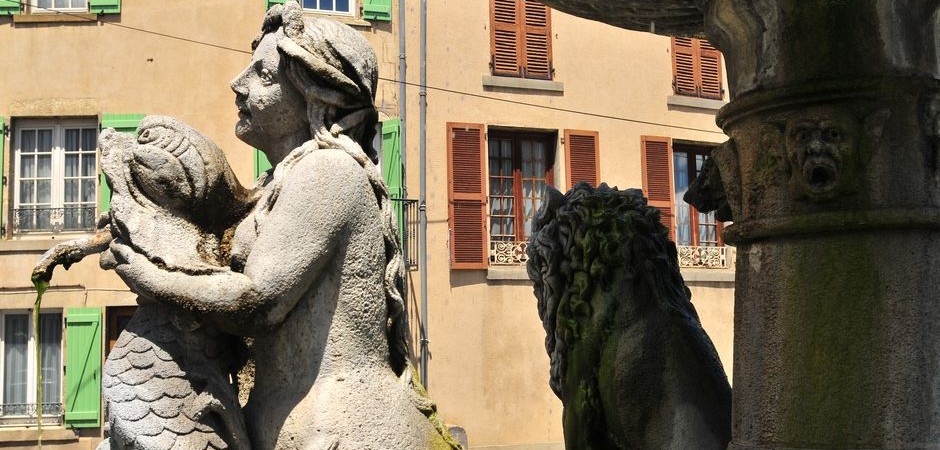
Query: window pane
88	165
71	191
50	338
45	141
45	3
88	191
342	5
72	140
44	191
326	5
78	3
89	139
28	167
61	3
15	339
29	141
681	184
27	191
71	165
44	163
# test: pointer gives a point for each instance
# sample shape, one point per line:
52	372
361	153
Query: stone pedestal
833	176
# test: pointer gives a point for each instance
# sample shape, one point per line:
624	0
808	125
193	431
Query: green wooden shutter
392	168
377	10
125	123
2	173
83	367
104	6
261	163
9	7
268	3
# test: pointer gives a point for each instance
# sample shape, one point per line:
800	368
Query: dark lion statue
629	358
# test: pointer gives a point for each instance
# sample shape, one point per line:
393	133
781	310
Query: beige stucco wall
488	369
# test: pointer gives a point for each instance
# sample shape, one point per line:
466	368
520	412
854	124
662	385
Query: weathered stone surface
629	357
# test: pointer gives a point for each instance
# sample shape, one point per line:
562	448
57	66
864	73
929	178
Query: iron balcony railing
25	413
508	253
406	211
73	218
715	257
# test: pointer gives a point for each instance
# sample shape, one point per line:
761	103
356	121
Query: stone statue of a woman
316	269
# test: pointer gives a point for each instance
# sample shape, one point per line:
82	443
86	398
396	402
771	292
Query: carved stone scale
832	174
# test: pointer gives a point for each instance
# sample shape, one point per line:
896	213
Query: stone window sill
507	273
26	435
34	245
55	18
490	81
695	102
342	18
708	275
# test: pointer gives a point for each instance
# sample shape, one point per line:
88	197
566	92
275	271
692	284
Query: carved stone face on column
820	147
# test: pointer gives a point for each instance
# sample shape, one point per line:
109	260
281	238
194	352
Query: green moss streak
41	286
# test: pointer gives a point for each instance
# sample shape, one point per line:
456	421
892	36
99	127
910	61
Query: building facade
519	97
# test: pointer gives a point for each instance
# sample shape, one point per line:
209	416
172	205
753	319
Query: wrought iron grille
508	253
25	413
27	220
703	257
406	210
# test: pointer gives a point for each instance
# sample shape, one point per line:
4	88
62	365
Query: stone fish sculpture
629	358
166	381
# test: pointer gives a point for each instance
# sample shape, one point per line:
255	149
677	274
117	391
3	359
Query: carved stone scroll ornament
629	358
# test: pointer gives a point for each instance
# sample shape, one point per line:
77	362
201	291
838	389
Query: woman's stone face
269	107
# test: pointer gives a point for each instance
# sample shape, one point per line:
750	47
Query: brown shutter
467	196
538	46
582	163
683	66
506	40
710	64
657	178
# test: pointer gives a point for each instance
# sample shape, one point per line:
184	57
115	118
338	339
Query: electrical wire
390	80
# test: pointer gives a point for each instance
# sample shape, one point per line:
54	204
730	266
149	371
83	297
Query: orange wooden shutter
683	66
710	69
657	178
582	163
506	41
538	47
467	196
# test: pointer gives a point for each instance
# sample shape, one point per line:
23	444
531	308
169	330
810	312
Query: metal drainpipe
402	98
422	205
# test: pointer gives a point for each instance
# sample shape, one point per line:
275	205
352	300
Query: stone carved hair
331	64
581	241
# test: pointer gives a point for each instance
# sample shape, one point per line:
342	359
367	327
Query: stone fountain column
833	176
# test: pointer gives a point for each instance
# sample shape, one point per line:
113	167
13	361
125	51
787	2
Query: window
668	169
496	184
118	318
47	6
692	227
520	166
520	39
696	68
56	167
331	6
18	403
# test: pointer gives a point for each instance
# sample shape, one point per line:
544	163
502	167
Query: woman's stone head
325	67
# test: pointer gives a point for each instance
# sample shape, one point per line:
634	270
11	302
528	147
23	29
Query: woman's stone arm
296	241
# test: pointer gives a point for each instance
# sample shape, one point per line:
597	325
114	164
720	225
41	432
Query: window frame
34	8
692	171
56	176
31	367
516	137
354	8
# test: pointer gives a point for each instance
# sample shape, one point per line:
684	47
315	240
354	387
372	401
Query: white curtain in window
15	363
50	341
